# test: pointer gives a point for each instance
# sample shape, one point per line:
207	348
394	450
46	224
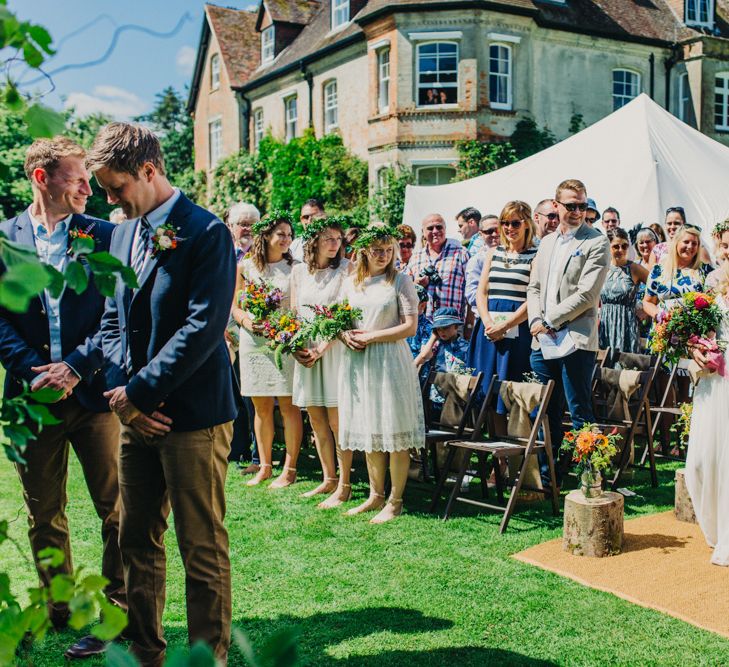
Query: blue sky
140	65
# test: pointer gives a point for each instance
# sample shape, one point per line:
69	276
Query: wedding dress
707	461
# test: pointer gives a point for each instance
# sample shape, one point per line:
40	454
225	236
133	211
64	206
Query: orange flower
601	441
569	436
585	443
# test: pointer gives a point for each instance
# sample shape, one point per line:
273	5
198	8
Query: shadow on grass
463	656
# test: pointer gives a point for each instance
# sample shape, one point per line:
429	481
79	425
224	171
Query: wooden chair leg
434	459
457	486
499	479
552	481
483	468
424	463
442	479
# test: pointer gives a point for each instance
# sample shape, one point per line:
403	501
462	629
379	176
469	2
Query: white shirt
558	259
297	249
156	218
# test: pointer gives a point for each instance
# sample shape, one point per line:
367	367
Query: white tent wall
639	159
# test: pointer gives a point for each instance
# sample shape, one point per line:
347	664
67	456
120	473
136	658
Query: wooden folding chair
498	447
637	421
668	408
437	431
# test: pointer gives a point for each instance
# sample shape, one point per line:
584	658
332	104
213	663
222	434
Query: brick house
402	80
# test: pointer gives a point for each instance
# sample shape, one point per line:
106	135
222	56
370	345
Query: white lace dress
317	385
380	408
258	373
707	460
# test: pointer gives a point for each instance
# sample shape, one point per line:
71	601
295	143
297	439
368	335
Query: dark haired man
312	209
468	221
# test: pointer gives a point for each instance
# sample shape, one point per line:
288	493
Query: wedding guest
675	219
425	328
721	240
610	218
269	261
170	373
645	240
53	345
501	341
474	266
407	242
350	236
562	299
591	214
440	267
468	221
116	217
658	231
240	219
619	328
312	208
546	219
318	282
707	463
680	271
380	408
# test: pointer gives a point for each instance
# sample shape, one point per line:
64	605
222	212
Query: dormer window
267	45
340	13
214	71
700	13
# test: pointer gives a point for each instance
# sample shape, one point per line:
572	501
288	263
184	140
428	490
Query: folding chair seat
498	446
673	388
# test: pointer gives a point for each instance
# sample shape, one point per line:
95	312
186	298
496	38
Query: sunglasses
434	228
490	232
690	226
574	207
549	216
405	245
514	224
592	221
621	246
676	209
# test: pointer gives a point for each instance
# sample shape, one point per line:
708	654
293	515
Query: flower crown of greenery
271	218
721	227
374	234
319	224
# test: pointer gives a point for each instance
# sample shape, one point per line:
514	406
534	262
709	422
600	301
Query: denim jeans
572	377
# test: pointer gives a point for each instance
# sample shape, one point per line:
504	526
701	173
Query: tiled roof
239	42
291	11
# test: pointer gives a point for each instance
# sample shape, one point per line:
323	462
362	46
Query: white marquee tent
639	159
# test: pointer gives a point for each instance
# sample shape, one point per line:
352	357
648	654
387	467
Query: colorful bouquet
713	350
692	319
330	321
260	299
592	451
286	334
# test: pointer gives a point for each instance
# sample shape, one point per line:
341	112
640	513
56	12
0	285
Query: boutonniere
577	253
86	239
165	238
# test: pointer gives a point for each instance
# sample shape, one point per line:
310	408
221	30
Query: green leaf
5	594
82	246
18	435
41	37
43	122
58	282
20	284
14	454
116	656
246	648
3	530
113	621
105	283
94	583
50	557
47	395
13	100
41	415
76	277
83	611
280	649
62	588
33	56
200	655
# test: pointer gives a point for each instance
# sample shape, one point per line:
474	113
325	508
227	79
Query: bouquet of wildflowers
330	321
591	449
260	299
286	334
692	321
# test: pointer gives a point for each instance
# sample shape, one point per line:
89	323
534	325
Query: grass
417	591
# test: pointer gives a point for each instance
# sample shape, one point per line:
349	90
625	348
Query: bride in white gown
707	461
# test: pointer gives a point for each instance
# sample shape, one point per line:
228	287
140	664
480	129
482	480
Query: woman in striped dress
501	341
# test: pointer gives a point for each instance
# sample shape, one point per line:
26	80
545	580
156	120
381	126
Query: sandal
260	475
332	501
279	484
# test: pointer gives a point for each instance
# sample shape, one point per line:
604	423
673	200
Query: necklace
511	261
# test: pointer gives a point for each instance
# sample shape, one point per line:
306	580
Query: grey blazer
583	271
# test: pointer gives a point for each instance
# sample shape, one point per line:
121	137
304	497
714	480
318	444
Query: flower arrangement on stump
593	452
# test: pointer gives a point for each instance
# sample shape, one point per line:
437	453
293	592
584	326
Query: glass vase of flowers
593	452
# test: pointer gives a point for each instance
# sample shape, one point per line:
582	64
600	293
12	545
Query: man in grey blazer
562	301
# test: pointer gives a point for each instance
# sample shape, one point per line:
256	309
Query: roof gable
296	12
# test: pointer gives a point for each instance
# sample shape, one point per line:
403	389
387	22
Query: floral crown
374	234
319	224
273	217
721	227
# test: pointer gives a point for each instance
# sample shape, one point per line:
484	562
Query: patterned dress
619	328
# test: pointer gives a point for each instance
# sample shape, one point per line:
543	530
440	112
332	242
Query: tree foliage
387	202
528	138
478	157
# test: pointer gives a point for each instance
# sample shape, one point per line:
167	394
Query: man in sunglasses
546	218
489	231
567	275
311	210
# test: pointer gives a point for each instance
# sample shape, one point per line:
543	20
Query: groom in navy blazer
53	344
171	388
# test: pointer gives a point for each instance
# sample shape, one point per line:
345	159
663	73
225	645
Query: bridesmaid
269	260
380	408
318	281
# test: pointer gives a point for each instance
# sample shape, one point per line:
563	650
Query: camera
432	275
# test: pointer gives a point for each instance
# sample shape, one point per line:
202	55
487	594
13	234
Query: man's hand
423	281
121	405
58	376
539	328
155	424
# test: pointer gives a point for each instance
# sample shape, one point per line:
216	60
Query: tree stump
593	526
683	507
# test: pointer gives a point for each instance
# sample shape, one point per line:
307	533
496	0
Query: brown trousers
95	439
185	471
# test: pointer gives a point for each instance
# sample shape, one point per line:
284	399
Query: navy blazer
173	325
25	339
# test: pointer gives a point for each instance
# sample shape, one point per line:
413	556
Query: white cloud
185	60
112	101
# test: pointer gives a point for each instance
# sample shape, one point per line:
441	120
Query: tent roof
639	159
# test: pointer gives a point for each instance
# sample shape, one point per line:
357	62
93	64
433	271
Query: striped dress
509	357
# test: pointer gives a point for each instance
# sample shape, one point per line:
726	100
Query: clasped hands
58	376
309	356
152	425
356	339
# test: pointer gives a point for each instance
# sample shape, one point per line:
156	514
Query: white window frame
383	79
268	44
290	120
257	127
684	97
340	13
694	13
508	105
418	85
215	71
215	140
331	106
620	100
379	177
721	88
418	168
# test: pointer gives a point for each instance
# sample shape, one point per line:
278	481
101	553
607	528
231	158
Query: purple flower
674	339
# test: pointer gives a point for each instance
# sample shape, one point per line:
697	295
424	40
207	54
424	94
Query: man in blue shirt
51	345
468	221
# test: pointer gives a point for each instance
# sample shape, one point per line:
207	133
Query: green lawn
415	592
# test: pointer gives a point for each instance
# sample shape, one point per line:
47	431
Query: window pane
437	77
435	175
